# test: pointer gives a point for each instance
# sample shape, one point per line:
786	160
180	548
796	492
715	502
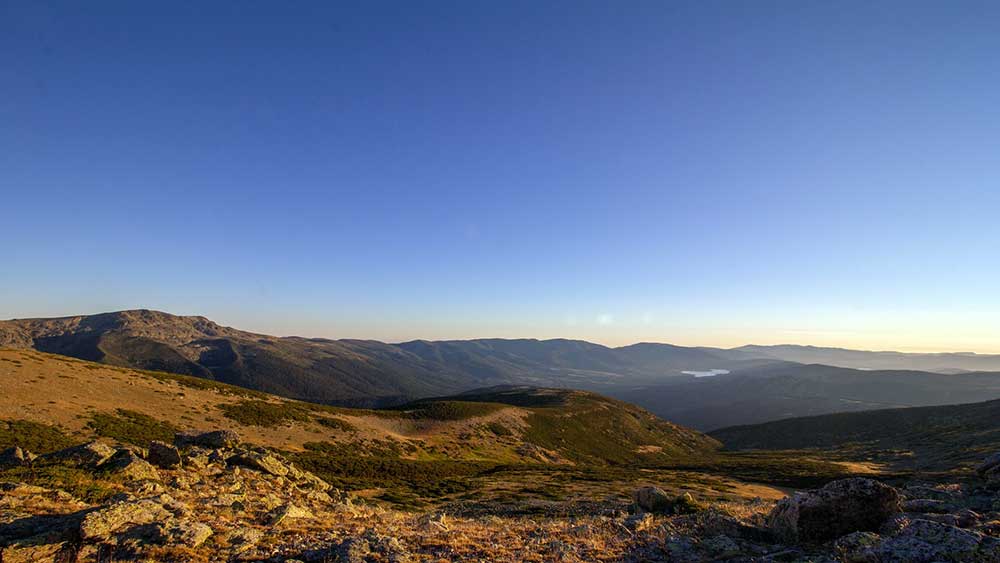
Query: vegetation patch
81	483
131	427
446	410
266	413
33	436
336	424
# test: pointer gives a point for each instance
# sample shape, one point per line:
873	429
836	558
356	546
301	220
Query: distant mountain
349	372
951	362
793	390
758	383
923	437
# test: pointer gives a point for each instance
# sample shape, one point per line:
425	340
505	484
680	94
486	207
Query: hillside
923	438
791	390
493	445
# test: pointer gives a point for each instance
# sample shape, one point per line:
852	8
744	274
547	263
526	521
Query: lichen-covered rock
837	509
923	541
31	553
186	533
927	505
214	439
653	499
163	455
104	522
131	467
858	547
289	512
721	547
92	454
261	461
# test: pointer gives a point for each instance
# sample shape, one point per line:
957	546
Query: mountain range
751	383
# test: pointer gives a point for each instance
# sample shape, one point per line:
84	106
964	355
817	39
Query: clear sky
699	172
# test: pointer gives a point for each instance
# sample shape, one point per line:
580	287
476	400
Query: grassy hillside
925	438
493	445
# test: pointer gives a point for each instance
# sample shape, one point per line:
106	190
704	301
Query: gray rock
163	455
214	439
653	499
289	512
837	509
923	541
858	547
186	533
131	467
260	461
102	523
92	454
927	505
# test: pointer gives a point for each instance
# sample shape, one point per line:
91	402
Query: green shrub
32	436
336	424
264	413
131	427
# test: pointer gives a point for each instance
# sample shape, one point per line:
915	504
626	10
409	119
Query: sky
701	173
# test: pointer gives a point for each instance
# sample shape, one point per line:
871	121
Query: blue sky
692	172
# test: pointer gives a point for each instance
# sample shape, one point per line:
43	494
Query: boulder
182	532
923	541
92	454
839	508
14	457
927	505
261	461
215	439
653	499
102	523
289	512
59	551
163	455
131	467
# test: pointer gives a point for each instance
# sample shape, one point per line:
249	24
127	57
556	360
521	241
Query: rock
190	534
130	467
989	464
721	547
261	461
857	547
927	505
433	522
639	522
923	541
244	538
14	457
289	512
163	455
104	522
653	499
92	454
214	439
60	551
837	509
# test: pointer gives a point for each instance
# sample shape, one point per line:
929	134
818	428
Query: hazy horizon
697	173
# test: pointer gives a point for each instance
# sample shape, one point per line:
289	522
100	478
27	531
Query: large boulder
653	499
923	541
839	508
216	439
92	454
130	467
261	461
163	455
102	523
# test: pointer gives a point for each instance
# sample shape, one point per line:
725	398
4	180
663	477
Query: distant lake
708	373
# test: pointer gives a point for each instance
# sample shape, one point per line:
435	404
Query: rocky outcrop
129	466
92	454
990	469
216	439
101	524
838	509
163	455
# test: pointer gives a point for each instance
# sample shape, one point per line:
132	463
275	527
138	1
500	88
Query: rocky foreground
208	497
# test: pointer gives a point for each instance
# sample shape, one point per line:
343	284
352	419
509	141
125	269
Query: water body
708	373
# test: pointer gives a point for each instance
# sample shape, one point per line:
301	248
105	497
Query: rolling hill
941	437
793	390
950	362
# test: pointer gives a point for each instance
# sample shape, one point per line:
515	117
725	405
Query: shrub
264	413
32	436
131	427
